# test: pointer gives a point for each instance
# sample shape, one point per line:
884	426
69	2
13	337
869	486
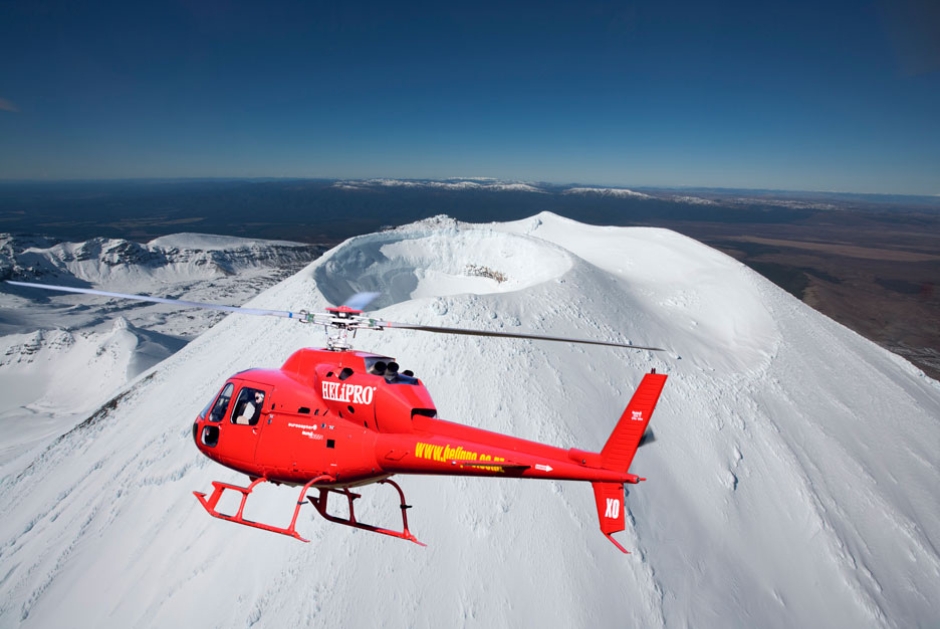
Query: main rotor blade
163	300
513	335
329	320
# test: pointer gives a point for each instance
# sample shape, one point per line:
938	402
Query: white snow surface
456	183
693	200
609	192
54	378
122	264
793	480
66	354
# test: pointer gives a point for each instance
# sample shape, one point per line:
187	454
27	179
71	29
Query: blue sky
787	95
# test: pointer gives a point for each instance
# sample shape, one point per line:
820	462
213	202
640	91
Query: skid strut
320	504
211	502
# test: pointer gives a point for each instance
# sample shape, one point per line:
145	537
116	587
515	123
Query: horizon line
476	178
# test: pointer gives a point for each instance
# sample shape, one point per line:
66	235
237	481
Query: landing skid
213	500
320	503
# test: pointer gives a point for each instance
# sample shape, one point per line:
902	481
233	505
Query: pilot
251	409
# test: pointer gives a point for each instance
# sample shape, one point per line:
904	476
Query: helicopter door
243	429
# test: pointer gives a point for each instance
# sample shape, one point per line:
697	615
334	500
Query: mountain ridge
792	481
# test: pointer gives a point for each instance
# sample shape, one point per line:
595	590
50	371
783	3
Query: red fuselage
329	413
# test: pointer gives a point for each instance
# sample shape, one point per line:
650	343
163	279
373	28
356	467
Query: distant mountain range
328	211
168	259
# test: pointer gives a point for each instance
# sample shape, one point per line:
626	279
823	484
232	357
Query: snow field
792	481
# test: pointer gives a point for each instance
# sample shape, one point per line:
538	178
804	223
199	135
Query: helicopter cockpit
248	406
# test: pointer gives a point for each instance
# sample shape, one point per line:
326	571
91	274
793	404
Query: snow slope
54	378
793	481
63	355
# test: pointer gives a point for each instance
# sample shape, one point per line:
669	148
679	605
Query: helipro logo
348	393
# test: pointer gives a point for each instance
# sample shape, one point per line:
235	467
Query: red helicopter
334	419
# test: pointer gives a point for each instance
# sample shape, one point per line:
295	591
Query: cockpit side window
221	405
248	406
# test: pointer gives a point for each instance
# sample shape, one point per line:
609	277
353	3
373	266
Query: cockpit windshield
221	405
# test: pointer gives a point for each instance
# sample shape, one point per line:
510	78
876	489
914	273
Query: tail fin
625	439
619	450
609	499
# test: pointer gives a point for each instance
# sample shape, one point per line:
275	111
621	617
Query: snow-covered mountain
609	192
456	183
713	197
117	262
51	377
62	355
793	480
